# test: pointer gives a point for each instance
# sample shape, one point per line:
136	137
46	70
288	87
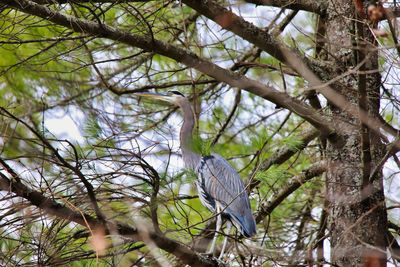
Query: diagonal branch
249	32
48	205
236	24
295	182
282	25
283	154
318	7
180	55
308	69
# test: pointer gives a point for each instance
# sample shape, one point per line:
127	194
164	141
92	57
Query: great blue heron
220	188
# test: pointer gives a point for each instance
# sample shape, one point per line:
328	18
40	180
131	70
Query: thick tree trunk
358	221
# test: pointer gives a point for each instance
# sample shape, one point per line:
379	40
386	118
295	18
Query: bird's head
173	97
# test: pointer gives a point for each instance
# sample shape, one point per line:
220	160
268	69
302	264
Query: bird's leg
228	231
217	228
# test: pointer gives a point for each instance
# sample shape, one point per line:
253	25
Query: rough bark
357	211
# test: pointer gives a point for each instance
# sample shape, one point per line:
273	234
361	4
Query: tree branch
302	65
50	206
180	55
394	246
249	32
318	7
236	24
283	154
295	182
75	169
53	208
285	21
229	118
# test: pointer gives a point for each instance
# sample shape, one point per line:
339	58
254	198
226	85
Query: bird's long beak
163	97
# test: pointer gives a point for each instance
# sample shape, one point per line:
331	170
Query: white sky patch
63	124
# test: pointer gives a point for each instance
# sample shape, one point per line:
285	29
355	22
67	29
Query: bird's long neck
190	157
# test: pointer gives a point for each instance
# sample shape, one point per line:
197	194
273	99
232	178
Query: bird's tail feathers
246	223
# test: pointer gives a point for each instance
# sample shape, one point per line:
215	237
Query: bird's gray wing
220	186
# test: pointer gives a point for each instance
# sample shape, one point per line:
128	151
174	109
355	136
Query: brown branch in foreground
50	206
53	208
295	182
229	21
340	101
248	31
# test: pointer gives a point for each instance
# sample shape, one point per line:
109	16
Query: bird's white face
171	96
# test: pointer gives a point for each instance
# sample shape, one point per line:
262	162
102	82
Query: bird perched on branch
220	188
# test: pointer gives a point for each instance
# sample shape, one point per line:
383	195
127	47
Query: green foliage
276	175
293	142
202	147
92	129
190	176
258	141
